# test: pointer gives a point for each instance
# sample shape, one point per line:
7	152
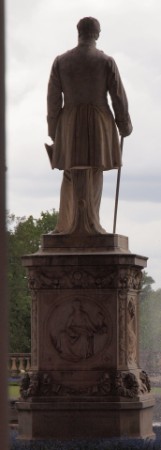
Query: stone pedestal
85	380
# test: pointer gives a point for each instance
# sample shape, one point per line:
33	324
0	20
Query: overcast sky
36	32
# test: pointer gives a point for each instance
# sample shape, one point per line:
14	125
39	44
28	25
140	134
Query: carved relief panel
122	300
34	330
132	330
77	331
127	337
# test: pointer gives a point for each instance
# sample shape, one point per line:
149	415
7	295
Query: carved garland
145	382
67	278
118	383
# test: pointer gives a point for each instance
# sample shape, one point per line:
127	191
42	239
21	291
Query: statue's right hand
49	149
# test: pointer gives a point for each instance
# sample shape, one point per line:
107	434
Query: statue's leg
87	190
65	217
80	199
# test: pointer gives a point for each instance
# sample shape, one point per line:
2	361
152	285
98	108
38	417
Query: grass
13	391
156	390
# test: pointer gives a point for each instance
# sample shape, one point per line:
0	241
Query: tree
24	235
147	282
150	322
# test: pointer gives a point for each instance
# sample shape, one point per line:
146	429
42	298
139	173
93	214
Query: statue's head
88	27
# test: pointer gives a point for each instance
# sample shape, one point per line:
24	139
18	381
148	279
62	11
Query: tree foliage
24	235
150	321
147	282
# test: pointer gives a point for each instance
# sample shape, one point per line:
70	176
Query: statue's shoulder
102	55
62	58
108	61
67	54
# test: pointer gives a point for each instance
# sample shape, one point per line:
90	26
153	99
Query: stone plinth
85	379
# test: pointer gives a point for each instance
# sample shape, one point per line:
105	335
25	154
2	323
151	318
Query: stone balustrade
19	362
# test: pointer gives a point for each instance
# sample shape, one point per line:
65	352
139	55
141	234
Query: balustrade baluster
14	364
21	363
28	365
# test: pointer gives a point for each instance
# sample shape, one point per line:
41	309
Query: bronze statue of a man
83	128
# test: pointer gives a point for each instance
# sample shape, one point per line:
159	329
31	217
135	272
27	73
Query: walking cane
117	188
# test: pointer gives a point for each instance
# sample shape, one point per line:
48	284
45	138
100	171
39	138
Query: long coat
79	118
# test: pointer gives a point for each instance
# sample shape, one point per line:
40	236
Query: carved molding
87	278
112	383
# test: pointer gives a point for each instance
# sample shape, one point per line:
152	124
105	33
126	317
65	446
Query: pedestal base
86	419
85	380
